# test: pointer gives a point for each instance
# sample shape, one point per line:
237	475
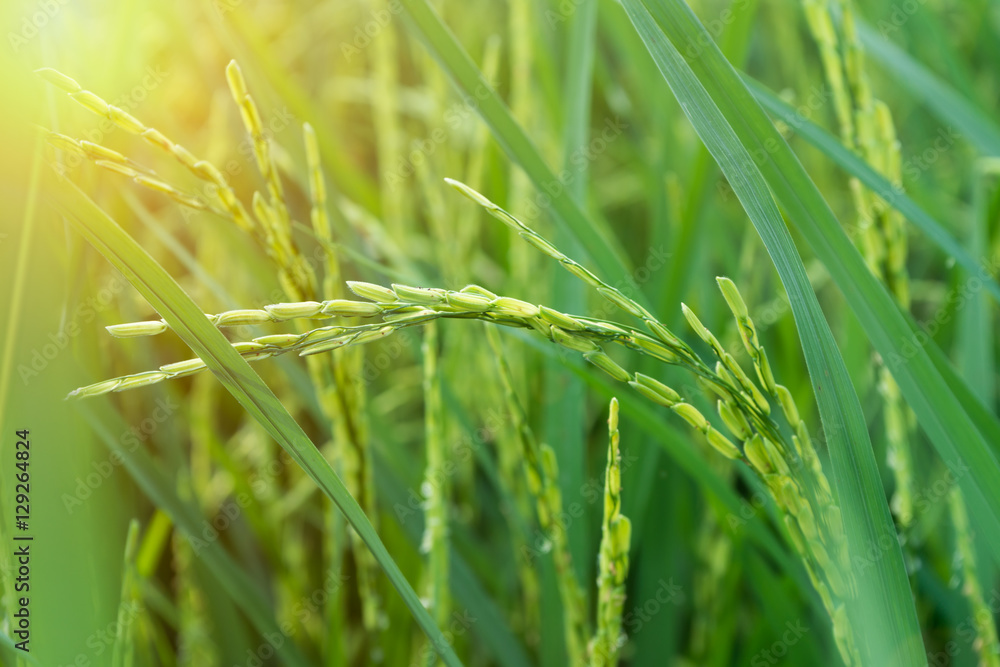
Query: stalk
436	483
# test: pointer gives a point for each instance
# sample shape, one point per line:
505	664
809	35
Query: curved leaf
882	617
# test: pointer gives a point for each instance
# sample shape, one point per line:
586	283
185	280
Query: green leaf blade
883	618
188	321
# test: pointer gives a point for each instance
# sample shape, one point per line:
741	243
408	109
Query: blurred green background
390	128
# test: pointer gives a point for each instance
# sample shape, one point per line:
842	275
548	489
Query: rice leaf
962	430
882	618
163	293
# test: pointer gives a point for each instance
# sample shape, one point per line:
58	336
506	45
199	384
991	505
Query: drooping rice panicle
802	492
812	518
407	306
117	163
205	171
261	147
612	294
613	558
795	478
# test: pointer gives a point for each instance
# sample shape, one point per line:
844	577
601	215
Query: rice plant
570	333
